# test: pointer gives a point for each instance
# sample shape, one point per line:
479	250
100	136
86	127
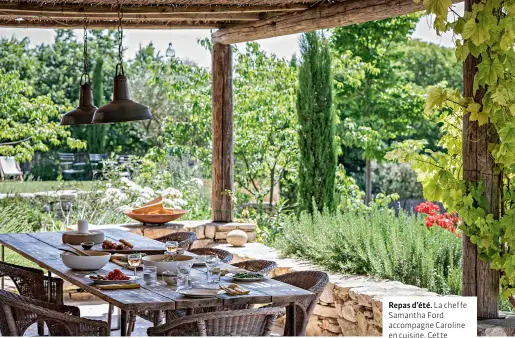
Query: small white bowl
96	261
170	279
157	261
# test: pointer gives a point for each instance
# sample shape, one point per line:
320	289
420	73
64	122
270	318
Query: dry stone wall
349	306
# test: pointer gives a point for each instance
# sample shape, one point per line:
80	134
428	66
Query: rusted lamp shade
121	108
83	114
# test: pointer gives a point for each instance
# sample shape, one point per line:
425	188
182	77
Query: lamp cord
85	75
120	42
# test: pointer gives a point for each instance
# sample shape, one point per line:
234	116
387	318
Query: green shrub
396	178
375	242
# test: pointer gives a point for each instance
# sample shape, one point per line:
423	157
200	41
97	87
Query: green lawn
38	186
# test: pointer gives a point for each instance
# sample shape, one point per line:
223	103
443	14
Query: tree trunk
223	147
477	278
272	181
368	182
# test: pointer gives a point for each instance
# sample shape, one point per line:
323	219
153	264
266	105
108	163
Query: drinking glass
134	262
184	269
150	275
171	247
212	262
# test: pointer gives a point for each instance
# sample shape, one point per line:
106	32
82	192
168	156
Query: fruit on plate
116	274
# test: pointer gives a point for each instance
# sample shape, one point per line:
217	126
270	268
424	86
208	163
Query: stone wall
349	305
208	233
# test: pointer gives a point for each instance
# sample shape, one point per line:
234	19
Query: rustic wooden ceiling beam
102	9
320	17
10	22
136	16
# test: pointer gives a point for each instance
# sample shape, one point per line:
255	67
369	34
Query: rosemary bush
375	242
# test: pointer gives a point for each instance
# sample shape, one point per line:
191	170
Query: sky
185	43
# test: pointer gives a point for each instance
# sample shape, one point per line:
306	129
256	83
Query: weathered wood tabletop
42	249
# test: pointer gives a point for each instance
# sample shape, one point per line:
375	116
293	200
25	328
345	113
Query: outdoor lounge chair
70	169
9	168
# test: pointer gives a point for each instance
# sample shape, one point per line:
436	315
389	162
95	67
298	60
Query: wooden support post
478	279
223	148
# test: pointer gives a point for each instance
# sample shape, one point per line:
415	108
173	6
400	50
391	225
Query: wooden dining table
42	248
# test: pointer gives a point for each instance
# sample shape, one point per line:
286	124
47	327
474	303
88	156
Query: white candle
83	226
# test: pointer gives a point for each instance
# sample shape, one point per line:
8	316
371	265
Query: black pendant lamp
83	114
121	108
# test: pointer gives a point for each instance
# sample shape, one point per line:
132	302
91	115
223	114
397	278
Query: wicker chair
185	239
241	323
33	283
18	313
223	256
257	265
314	281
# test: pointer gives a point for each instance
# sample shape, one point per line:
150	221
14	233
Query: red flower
448	221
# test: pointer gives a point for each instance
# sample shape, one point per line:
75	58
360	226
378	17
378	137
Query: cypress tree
317	163
97	134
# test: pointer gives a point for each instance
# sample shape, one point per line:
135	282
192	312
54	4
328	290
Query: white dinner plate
107	282
199	293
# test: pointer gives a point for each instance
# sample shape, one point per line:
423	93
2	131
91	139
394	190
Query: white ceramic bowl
157	261
96	261
170	279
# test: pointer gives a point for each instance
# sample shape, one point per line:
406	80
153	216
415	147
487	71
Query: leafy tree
428	64
97	134
317	165
16	55
28	123
374	100
265	122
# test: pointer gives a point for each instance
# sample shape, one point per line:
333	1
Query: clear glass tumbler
150	275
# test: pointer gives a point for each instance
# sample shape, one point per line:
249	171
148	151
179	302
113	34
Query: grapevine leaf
462	51
475	31
438	7
489	70
436	96
480	117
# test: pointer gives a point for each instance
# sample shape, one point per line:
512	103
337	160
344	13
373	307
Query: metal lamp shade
83	114
121	109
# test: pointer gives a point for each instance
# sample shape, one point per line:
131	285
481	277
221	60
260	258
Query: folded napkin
234	290
119	286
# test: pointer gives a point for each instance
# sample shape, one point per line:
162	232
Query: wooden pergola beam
321	17
222	186
102	9
107	24
135	16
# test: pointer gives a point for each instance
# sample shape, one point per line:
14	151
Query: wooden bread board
75	238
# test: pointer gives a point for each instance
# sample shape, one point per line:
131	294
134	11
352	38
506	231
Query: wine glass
184	269
211	261
134	262
171	247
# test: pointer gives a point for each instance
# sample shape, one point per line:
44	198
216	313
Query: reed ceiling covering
146	14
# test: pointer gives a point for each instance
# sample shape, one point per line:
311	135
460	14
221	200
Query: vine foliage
488	34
